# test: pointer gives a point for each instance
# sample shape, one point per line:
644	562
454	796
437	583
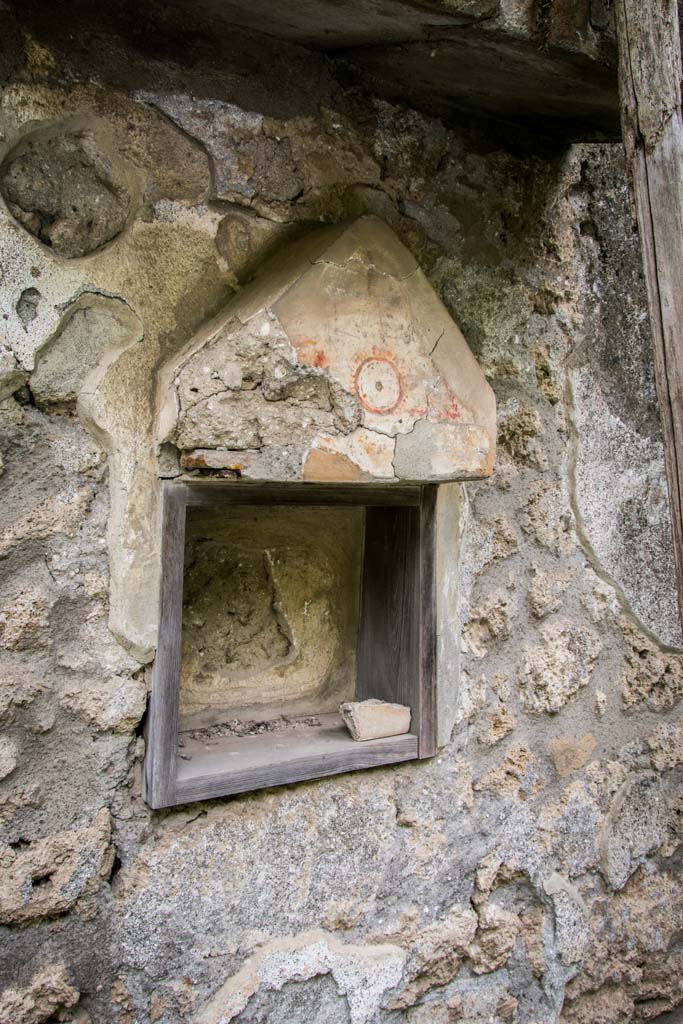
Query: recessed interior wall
270	612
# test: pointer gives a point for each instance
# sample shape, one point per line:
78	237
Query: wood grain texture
352	757
428	725
650	88
218	492
162	732
388	637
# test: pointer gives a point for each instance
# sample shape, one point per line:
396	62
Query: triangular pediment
338	363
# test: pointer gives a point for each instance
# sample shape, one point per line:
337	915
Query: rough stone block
373	719
50	875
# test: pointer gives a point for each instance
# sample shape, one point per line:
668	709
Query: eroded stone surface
559	666
50	875
65	190
49	993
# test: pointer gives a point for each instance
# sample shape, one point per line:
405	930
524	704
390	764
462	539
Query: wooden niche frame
396	649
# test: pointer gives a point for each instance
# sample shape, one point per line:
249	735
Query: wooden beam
650	89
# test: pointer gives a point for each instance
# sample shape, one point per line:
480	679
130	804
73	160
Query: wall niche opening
278	603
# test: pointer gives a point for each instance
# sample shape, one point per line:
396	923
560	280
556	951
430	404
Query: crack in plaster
582	533
358	258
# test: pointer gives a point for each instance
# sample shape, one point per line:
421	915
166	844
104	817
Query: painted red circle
378	385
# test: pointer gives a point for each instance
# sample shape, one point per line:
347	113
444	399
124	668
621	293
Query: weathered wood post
650	88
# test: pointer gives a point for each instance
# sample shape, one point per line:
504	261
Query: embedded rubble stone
495	725
666	746
62	187
487	622
341	354
248	163
652	676
48	876
12	376
9	756
373	719
509	778
546	591
635	826
559	666
24	618
93	327
571	917
546	516
437	955
519	426
48	994
497	931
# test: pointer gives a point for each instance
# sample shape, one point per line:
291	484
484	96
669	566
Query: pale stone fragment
9	757
373	719
94	328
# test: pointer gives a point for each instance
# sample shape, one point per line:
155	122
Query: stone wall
530	871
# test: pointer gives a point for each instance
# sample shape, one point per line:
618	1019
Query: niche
278	603
310	439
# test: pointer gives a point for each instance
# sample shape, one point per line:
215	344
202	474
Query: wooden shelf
237	764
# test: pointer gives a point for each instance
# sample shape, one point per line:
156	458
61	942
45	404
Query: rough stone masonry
530	872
